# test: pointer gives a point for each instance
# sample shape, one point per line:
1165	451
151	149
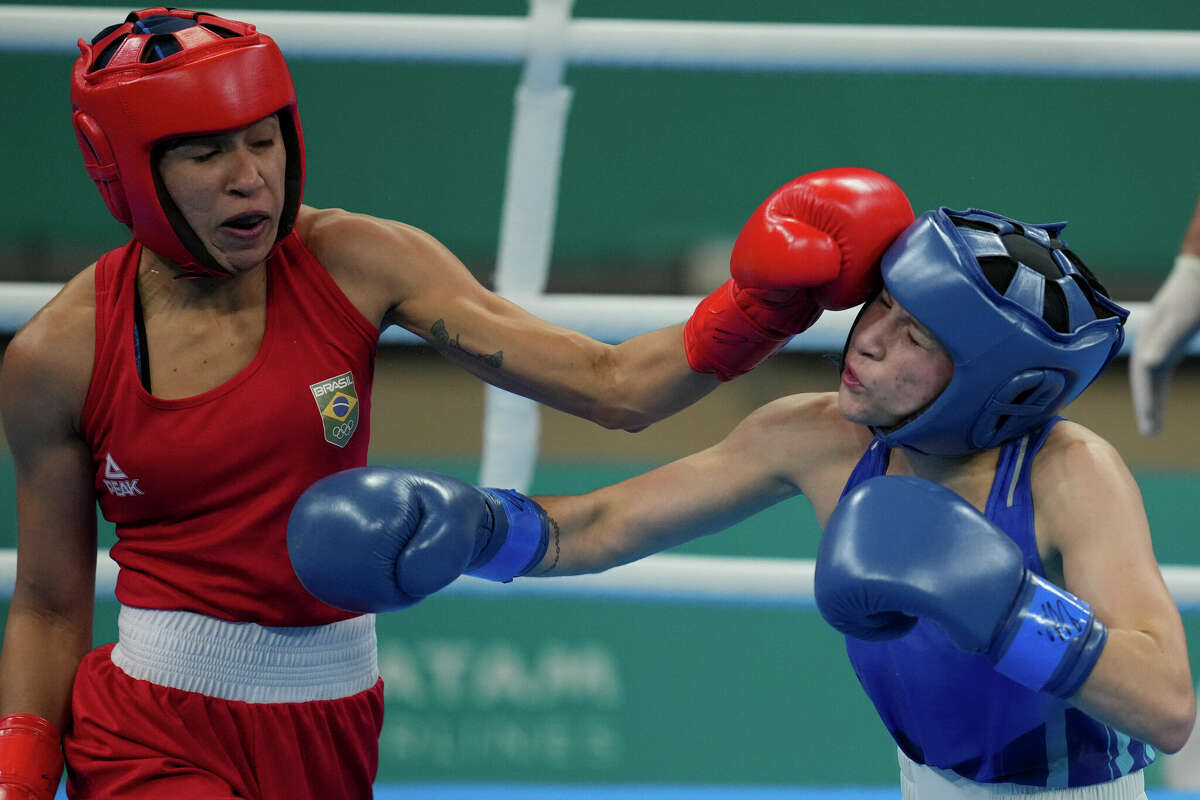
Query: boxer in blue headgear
1027	326
989	562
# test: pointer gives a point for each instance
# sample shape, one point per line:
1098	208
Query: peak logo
117	482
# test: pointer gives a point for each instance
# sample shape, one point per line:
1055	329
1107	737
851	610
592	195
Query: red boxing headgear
166	73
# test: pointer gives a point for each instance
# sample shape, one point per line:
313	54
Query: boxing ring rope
665	43
663	578
546	41
610	318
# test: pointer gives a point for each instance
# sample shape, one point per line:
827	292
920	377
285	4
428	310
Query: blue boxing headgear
1027	326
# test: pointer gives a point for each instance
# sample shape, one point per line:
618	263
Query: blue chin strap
1012	369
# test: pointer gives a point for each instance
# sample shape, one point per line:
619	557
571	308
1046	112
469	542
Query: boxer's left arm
695	496
1093	527
793	445
375	539
381	538
398	275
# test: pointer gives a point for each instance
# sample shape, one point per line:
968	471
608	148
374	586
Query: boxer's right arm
899	548
1100	631
49	625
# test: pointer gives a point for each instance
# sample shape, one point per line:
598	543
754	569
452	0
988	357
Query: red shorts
132	738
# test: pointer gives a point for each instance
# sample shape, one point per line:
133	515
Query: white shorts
922	782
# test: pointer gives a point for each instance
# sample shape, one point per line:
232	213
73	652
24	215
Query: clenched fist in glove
814	244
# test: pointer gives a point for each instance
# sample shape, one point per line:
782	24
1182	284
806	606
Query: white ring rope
663	578
665	43
607	317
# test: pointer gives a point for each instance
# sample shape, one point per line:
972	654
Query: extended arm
815	243
398	275
695	496
381	538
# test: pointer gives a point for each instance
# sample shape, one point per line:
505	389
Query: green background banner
657	161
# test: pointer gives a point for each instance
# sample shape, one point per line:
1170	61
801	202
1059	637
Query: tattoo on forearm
557	552
442	337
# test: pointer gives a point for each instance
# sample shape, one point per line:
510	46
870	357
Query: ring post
511	424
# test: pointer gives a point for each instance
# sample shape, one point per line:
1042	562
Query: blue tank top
950	709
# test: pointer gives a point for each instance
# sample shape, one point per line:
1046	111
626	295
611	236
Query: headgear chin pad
1027	325
165	74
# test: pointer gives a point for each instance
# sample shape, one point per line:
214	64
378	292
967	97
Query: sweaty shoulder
1077	475
816	446
50	358
1072	455
377	262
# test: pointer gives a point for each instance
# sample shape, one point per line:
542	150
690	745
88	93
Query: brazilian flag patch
338	404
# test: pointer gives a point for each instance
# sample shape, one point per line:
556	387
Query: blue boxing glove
898	548
375	539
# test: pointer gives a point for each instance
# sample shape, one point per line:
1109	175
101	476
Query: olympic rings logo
343	431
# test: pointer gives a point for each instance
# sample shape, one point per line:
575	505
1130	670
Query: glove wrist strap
520	535
720	338
30	755
1051	640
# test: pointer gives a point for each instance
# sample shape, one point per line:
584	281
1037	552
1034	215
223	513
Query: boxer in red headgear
130	102
196	412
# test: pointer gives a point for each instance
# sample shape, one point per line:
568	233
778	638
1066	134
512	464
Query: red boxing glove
814	244
31	760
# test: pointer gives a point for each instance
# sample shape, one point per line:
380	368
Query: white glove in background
1172	317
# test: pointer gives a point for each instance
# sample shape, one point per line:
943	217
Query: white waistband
923	782
244	661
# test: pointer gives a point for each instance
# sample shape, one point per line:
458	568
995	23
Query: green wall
658	160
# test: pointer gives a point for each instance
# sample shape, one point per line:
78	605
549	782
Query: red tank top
200	488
